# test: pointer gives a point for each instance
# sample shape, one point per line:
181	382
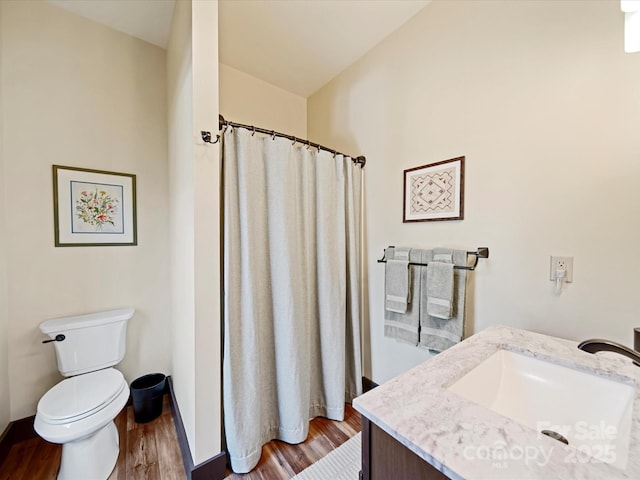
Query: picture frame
434	192
93	208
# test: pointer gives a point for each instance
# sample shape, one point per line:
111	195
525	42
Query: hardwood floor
281	461
148	451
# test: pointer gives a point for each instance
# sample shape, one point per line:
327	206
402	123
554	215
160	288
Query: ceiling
149	20
302	45
297	45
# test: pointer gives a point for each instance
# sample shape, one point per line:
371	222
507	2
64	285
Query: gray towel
443	255
404	326
401	253
397	277
437	334
440	286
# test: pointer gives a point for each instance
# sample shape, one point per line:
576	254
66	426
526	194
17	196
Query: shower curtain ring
273	135
253	130
294	141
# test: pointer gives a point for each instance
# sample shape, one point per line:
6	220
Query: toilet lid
80	396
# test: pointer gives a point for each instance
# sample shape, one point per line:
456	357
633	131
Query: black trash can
146	393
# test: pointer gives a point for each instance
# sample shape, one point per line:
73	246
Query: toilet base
92	457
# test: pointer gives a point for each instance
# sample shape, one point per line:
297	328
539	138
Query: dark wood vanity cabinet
384	458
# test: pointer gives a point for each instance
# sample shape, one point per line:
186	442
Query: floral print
97	208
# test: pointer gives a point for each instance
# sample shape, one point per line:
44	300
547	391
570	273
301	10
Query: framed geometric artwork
93	207
434	192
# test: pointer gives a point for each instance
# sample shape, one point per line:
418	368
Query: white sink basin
592	413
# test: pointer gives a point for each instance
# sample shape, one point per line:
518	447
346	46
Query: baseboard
368	384
212	469
5	443
16	431
182	434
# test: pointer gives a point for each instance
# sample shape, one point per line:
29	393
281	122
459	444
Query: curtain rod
206	136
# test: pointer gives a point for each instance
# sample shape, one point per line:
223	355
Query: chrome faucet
598	345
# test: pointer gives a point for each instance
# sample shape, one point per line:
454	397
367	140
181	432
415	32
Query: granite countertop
466	441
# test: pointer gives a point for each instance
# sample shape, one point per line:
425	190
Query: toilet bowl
79	411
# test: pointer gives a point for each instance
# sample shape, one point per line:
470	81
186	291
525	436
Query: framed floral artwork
434	192
93	207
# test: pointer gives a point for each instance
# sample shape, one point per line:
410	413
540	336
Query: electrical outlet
561	263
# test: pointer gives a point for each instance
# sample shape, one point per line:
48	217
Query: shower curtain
292	290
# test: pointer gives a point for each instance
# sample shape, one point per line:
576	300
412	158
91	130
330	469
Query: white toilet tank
91	342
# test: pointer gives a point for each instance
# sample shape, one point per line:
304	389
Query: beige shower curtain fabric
292	290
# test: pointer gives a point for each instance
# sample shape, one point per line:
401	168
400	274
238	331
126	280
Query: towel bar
481	252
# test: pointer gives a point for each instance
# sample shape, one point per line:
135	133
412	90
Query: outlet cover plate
568	266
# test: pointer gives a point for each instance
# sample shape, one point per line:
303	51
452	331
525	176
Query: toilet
79	411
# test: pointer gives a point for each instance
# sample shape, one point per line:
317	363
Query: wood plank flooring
148	451
281	461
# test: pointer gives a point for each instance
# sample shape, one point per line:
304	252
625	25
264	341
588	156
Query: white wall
192	76
251	101
545	105
5	413
180	113
77	93
207	234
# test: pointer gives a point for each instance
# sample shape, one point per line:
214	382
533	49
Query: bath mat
343	463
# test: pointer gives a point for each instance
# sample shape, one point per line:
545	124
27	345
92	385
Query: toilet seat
81	396
79	428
